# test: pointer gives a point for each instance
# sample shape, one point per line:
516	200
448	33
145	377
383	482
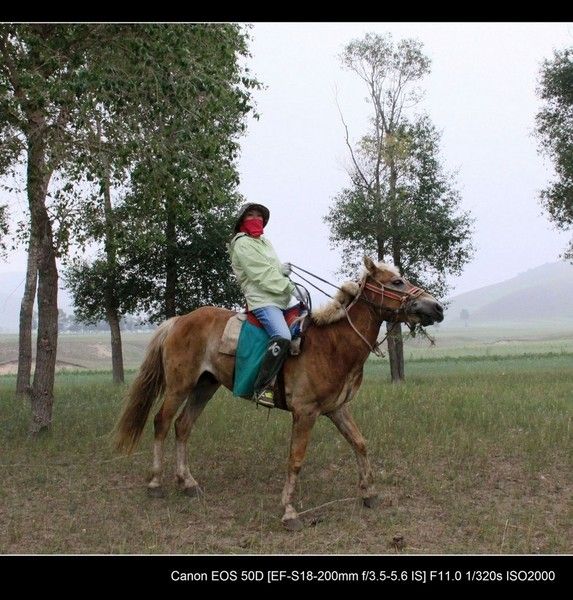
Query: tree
401	204
179	258
56	81
555	133
465	316
178	190
39	95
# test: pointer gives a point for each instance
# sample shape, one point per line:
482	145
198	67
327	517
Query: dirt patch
100	350
11	367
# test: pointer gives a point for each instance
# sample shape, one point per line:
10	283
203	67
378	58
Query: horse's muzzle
428	311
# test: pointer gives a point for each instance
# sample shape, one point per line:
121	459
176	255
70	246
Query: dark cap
245	208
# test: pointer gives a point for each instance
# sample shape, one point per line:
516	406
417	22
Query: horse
183	365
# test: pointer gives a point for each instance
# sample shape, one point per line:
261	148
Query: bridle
406	295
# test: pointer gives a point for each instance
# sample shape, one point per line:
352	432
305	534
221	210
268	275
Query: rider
265	284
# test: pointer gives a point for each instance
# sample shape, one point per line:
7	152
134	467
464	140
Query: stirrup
265	398
294	348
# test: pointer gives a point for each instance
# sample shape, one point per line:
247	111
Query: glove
286	269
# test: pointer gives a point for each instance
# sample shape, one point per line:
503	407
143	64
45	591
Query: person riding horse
267	289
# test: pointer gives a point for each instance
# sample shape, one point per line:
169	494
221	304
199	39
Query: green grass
471	455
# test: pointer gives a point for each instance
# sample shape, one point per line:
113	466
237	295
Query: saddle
230	338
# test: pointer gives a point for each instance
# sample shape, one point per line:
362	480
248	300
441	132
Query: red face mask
253	227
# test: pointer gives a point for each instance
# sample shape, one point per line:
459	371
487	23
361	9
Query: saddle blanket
245	338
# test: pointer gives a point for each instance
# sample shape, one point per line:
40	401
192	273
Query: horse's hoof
193	492
156	492
371	501
293	524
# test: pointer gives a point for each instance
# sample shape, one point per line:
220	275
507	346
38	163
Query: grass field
471	455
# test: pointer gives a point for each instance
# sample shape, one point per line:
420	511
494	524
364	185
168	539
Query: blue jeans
272	319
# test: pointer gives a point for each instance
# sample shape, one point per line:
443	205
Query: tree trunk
42	397
171	264
116	351
42	393
395	352
395	342
26	316
111	302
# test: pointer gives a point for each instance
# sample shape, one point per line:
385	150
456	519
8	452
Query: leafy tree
179	258
401	205
85	99
555	132
40	70
178	187
465	316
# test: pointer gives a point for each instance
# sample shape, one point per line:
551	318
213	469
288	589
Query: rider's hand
286	269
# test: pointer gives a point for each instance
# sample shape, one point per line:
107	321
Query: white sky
480	94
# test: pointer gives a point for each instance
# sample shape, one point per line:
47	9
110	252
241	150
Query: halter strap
403	296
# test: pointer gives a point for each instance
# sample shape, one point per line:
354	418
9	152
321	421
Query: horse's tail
146	388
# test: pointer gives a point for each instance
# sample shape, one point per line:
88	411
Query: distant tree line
68	323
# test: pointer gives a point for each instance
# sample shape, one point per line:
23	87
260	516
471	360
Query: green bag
251	349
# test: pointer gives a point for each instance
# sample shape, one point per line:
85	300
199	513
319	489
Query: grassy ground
471	455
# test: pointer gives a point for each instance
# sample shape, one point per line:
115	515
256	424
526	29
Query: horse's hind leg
348	428
172	401
202	393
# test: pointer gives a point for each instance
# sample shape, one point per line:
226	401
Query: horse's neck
367	323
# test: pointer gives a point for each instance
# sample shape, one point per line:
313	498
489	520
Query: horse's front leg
301	427
348	428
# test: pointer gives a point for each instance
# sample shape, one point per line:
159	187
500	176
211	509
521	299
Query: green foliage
401	205
163	135
389	72
3	229
39	74
555	133
420	226
87	283
197	250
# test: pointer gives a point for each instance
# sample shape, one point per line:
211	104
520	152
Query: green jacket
258	271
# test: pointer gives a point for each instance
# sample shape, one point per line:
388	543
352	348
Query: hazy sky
480	94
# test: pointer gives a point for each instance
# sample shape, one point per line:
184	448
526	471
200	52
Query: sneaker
265	398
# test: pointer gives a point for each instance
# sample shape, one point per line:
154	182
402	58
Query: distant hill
543	293
11	292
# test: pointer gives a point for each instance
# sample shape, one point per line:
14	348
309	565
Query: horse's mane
336	309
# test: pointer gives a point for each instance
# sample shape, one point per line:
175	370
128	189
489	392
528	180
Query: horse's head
397	298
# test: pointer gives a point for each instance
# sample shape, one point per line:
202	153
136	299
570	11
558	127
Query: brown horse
184	365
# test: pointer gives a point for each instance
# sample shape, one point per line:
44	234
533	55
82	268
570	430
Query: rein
297	268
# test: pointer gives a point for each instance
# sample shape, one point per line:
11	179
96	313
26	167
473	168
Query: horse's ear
369	264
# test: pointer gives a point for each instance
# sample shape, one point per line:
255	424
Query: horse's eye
398	282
